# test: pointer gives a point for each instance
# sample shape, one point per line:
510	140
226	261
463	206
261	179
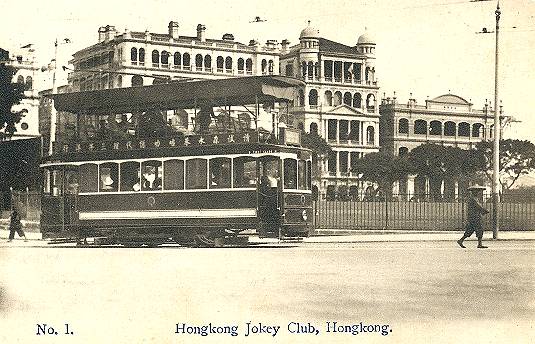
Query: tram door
269	201
70	196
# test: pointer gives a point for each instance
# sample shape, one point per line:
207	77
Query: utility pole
53	113
497	129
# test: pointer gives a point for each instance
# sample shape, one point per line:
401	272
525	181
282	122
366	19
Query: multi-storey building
338	102
143	58
446	120
23	60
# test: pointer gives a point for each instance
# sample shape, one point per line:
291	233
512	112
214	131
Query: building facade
143	58
338	102
445	120
23	60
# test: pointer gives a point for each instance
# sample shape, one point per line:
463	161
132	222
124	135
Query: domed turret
366	38
309	32
366	44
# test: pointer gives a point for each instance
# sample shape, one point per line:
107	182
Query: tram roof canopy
180	94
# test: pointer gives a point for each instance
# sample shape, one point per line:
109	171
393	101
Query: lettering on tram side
49	330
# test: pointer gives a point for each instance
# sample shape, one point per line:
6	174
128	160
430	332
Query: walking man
475	212
15	226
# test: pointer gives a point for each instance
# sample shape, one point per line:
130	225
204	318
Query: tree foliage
10	94
517	157
441	162
315	143
383	169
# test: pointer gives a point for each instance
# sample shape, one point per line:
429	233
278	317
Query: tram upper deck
136	121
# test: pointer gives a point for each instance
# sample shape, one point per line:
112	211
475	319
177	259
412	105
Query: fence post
27	203
386	211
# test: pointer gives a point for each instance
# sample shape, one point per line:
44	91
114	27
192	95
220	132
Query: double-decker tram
183	162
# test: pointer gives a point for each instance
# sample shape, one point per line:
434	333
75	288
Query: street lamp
53	113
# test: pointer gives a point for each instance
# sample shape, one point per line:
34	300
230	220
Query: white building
338	102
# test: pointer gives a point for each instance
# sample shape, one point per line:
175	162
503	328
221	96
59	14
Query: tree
517	157
319	148
11	94
445	163
383	169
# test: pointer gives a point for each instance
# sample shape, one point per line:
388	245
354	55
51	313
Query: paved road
424	291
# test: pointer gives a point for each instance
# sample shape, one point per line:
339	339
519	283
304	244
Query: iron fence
425	212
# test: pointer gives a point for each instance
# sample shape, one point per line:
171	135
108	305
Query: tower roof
310	32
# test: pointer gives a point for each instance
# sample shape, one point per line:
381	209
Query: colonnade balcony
338	80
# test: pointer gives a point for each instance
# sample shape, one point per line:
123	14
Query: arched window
403	126
464	129
29	83
228	64
367	73
20	80
477	129
370	135
186	60
370	102
271	67
199	61
304	68
449	128
264	66
313	97
220	61
177	59
348	98
337	98
310	69
155	58
249	65
141	54
137	80
403	151
165	58
208	62
241	64
420	127
328	98
357	100
133	55
435	128
314	128
301	100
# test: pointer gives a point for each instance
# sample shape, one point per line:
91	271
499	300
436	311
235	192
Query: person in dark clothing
15	226
475	211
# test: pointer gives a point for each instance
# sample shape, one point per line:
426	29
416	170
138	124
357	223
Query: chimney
285	46
201	29
228	37
110	32
101	34
173	29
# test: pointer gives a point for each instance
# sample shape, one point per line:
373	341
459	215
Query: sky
424	47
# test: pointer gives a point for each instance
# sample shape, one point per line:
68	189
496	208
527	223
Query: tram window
244	172
301	175
46	181
130	176
72	184
108	177
290	174
173	174
151	175
196	174
89	178
270	171
219	173
56	182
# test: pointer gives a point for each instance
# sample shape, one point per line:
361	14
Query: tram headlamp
304	215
